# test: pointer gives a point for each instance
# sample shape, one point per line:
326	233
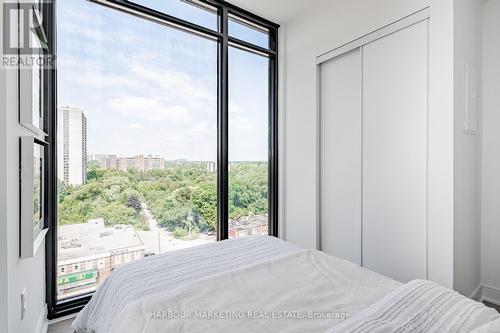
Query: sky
149	89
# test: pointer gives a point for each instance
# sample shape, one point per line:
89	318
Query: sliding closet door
340	97
394	153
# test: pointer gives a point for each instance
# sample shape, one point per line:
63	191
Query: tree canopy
182	198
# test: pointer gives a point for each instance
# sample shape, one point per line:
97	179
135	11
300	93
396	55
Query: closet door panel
395	153
340	98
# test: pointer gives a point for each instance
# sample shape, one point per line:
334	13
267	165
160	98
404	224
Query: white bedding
419	307
306	291
262	274
164	272
491	327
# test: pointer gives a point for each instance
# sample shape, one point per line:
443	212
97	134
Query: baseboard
491	294
477	294
43	323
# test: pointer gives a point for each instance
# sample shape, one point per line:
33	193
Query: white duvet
166	272
306	291
262	284
156	274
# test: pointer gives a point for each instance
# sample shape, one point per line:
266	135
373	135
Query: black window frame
224	9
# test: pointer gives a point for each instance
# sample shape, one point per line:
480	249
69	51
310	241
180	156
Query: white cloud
175	82
146	90
98	80
92	34
149	109
136	125
238	121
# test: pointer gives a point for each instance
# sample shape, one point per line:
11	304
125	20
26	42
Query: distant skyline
167	159
149	89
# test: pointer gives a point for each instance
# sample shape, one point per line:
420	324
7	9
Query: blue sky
149	89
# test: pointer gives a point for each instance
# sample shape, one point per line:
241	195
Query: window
248	31
137	152
248	143
194	11
164	140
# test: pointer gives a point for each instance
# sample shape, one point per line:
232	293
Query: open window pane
248	32
38	186
193	11
136	142
248	143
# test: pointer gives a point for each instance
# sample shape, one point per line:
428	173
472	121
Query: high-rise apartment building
71	145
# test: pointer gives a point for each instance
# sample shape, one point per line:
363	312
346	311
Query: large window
248	143
137	142
165	130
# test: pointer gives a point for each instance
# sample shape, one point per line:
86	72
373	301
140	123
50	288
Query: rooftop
93	237
248	222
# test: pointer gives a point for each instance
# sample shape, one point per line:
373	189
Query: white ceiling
278	11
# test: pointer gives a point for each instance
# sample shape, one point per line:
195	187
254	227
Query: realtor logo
24	40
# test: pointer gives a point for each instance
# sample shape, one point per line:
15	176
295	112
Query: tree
132	199
180	196
94	173
116	213
205	201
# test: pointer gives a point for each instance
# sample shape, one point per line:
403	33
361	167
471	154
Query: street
159	240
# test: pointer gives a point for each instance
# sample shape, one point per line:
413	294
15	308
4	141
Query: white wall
467	151
491	151
15	274
325	26
3	201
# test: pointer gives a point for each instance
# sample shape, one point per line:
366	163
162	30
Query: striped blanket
420	306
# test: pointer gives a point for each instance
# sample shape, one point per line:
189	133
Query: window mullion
223	131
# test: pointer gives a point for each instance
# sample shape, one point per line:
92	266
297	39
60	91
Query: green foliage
116	213
248	188
132	199
173	215
182	198
94	172
108	195
179	233
204	200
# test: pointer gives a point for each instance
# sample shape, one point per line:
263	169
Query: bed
263	284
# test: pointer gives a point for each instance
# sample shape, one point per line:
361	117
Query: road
159	240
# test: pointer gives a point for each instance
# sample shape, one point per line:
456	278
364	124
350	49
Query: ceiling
278	11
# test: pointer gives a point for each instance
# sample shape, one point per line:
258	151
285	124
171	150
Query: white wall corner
477	294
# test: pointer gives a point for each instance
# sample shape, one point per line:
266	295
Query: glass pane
36	80
248	32
248	143
189	10
38	152
137	142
